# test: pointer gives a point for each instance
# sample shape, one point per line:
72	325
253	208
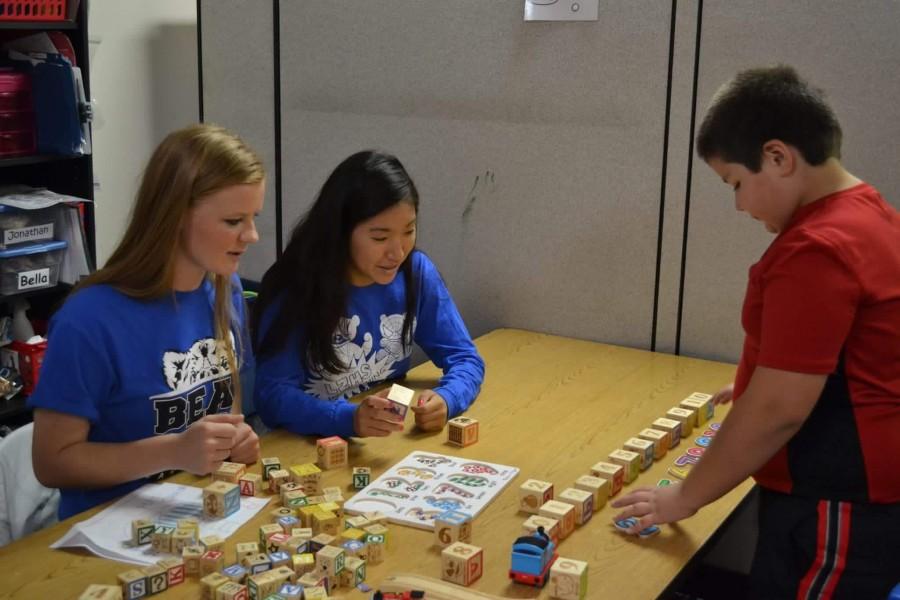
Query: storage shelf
35	159
14	407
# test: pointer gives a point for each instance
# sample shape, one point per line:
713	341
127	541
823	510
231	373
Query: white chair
25	504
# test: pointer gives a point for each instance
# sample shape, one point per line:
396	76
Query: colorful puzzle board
425	484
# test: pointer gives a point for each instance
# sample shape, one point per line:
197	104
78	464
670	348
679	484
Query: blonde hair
186	166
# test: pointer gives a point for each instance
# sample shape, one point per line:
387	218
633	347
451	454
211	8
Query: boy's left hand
430	411
654	506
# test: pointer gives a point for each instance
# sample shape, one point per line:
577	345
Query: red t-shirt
825	299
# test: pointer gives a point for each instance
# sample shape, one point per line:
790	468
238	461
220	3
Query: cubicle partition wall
559	192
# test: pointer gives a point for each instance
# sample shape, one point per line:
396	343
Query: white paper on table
108	533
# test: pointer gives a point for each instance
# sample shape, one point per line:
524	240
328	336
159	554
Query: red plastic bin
32	10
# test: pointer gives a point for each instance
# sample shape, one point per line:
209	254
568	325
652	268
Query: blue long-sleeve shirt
369	342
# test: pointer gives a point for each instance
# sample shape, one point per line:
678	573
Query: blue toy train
532	557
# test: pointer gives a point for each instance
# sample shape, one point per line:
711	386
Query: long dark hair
309	284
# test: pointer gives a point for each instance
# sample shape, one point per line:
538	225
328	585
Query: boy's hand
373	417
724	395
430	411
654	506
246	445
206	444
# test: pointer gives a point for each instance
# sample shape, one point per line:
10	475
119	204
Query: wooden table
551	406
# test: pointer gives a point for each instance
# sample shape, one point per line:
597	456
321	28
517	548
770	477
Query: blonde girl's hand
431	411
207	443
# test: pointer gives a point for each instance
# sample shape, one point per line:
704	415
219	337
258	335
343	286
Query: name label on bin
28	234
27	280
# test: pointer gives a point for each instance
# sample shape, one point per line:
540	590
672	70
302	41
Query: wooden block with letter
309	476
231	591
161	539
174	570
191	556
269	464
229	471
670	426
356	568
551	527
613	473
221	498
568	579
303	563
325	522
332	452
290	591
400	398
257	563
687	418
462	431
562	512
452	526
630	461
317	592
212	561
210	583
660	440
250	484
237	573
375	544
597	486
330	560
583	502
101	592
642	447
361	477
182	538
702	403
134	584
157	579
533	494
276	478
212	542
462	563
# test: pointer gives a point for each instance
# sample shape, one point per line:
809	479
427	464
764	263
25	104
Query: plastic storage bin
27	226
17	131
32	10
30	267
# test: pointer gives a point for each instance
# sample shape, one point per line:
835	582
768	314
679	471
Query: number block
613	473
642	447
332	452
533	494
462	563
598	488
660	439
400	398
452	526
562	512
630	461
583	502
568	579
551	527
670	426
462	431
687	418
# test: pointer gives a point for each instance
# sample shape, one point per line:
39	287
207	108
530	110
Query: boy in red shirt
816	417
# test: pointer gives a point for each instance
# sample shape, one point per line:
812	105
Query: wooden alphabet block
231	591
229	471
325	522
462	431
221	498
142	532
309	476
245	549
269	464
597	486
134	584
358	522
400	398
375	545
276	542
303	563
182	538
670	426
276	478
320	541
452	526
642	447
702	403
263	585
237	573
355	548
289	486
191	556
630	461
568	579
462	563
174	570
551	527
379	529
336	507
157	579
613	473
212	561
257	563
161	539
353	533
250	484
290	591
330	560
210	583
212	542
357	568
660	439
317	592
288	523
583	502
279	559
332	452
265	532
687	418
361	477
101	592
562	512
533	494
